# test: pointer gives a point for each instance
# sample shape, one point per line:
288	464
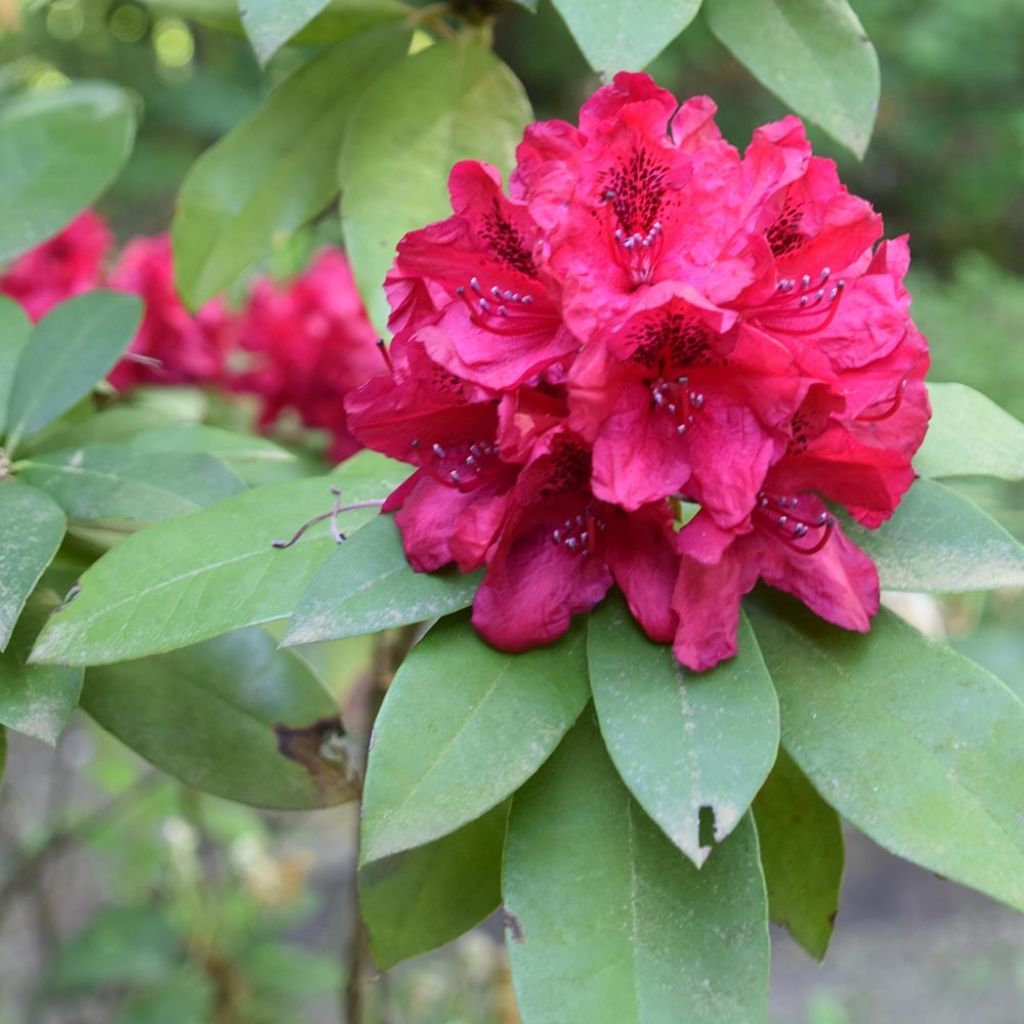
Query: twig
389	651
25	874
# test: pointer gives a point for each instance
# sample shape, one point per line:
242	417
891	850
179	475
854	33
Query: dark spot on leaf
706	828
515	929
832	918
326	753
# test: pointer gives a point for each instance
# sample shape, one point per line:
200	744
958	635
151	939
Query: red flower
310	344
649	320
475	282
64	266
559	549
644	191
173	346
794	544
680	399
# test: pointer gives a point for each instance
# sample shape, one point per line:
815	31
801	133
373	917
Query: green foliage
37	700
254	460
419	899
366	585
802	855
269	24
972	320
125	488
58	152
14	332
232	716
31	529
71	348
686	745
192	578
940	541
912	743
276	170
453	101
450	745
814	55
134	946
608	922
969	435
625	35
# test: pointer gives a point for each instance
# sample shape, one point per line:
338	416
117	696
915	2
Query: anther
385	355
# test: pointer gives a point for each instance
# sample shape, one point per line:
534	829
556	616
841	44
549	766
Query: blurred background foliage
129	898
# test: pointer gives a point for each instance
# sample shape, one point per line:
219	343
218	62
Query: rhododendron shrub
650	321
644	453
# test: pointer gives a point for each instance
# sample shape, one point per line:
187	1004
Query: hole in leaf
706	827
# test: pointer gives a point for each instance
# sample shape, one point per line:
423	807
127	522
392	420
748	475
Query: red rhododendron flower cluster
648	322
64	266
306	343
310	343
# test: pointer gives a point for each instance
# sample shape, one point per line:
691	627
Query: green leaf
192	578
340	19
73	346
625	35
461	728
232	716
609	923
802	854
367	585
420	899
276	170
269	24
275	969
116	484
940	541
813	54
686	744
908	740
122	946
14	331
58	152
452	101
37	700
969	435
31	529
116	425
253	459
186	996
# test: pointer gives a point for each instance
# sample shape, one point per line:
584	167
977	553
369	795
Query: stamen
385	355
793	301
509	318
579	534
788	518
677	400
890	406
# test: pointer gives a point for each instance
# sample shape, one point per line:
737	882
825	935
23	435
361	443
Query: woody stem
389	651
